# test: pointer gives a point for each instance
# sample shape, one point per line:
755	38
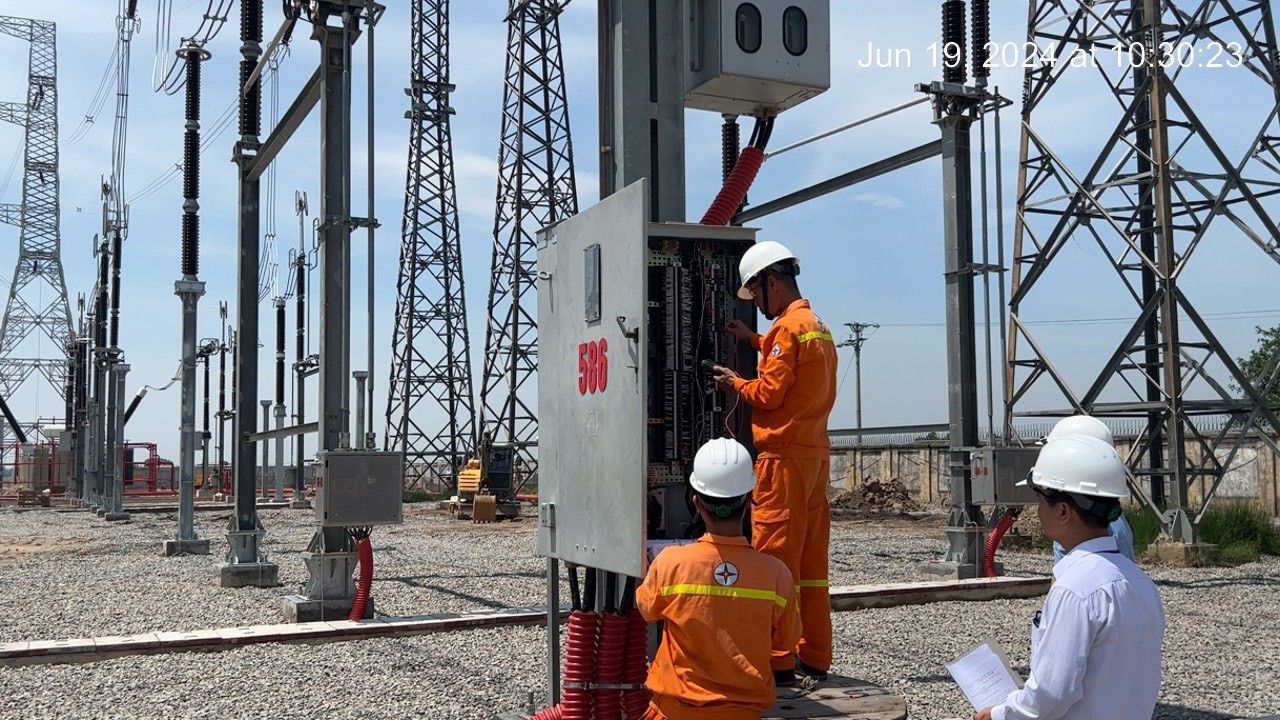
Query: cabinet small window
795	31
748	27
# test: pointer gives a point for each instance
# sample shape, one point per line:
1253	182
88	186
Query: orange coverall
726	607
791	399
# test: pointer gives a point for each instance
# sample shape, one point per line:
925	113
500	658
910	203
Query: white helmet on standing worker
1080	425
1080	465
760	257
722	469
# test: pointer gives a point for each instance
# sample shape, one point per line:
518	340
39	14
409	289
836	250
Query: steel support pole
1147	242
642	102
330	558
264	480
205	487
279	405
114	510
189	291
1181	529
246	563
965	526
361	377
110	435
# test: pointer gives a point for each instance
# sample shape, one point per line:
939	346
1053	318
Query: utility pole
855	341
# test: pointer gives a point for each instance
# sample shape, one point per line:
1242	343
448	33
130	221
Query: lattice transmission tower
430	411
536	187
37	320
1165	177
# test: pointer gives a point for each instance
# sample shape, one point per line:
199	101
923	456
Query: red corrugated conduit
609	666
364	550
993	542
735	187
636	667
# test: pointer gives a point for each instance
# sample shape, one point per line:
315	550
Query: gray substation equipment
630	309
627	311
997	470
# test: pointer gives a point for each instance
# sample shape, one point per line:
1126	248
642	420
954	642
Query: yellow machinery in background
485	493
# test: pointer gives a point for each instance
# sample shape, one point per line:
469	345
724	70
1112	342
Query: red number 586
593	367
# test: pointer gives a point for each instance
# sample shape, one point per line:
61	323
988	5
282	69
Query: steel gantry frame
536	187
1154	190
430	410
38	294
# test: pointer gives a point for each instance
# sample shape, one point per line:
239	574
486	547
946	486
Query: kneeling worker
727	607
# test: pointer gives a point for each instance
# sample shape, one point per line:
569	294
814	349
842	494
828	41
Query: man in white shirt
1095	647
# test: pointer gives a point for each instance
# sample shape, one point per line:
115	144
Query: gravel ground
69	574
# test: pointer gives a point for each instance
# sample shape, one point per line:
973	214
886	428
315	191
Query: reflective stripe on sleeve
817	335
813	584
720	591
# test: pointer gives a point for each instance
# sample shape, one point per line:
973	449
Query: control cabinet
996	471
748	56
355	488
627	311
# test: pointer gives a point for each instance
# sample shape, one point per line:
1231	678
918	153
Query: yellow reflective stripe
719	591
812	583
817	335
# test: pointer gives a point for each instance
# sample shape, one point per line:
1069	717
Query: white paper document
984	675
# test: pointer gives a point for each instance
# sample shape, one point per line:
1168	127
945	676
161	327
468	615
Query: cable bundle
636	666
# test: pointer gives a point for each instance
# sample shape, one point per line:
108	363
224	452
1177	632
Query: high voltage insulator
953	66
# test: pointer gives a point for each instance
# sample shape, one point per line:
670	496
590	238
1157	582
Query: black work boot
808	671
784	678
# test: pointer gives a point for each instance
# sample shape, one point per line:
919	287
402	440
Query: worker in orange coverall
791	400
726	606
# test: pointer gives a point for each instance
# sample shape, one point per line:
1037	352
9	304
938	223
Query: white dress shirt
1095	647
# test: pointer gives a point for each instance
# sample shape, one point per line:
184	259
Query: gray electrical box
997	470
622	405
747	56
359	487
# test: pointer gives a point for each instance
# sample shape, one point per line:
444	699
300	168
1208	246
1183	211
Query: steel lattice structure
430	411
1152	185
37	307
536	187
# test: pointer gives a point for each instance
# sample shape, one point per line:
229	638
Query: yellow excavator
485	486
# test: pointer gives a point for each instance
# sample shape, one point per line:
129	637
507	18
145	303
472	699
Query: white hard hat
1079	464
722	469
1081	425
757	258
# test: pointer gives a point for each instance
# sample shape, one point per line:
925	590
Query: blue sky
872	253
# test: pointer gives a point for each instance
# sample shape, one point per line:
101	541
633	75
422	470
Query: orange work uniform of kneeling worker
726	607
790	400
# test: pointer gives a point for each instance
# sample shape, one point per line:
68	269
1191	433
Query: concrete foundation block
114	516
954	570
1184	554
173	548
303	504
300	609
251	574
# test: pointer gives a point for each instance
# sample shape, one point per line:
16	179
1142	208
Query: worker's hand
724	377
738	329
983	714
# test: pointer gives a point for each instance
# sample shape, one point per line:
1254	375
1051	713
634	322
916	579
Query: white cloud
880	200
